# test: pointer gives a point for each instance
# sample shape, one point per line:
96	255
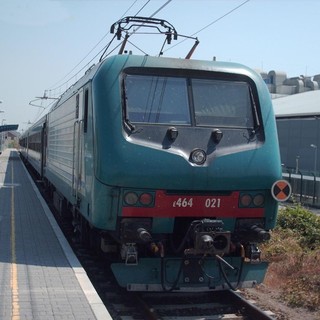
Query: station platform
40	277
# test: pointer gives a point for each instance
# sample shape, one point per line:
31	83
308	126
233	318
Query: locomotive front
188	153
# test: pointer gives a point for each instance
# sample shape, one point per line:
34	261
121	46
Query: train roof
180	63
149	61
89	74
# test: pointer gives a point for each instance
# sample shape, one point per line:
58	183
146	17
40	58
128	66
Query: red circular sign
281	190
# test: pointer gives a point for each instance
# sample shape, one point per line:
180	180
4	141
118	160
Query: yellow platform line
14	268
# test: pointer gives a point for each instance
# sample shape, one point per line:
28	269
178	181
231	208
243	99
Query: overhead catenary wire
107	46
163	6
78	64
53	87
220	18
157	11
141	8
210	24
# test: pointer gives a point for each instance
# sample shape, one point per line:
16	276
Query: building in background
9	139
296	103
281	86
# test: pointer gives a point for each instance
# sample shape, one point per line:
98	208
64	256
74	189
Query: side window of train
77	106
85	113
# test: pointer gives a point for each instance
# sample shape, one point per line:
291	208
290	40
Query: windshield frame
189	76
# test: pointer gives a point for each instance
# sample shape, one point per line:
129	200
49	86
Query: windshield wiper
255	111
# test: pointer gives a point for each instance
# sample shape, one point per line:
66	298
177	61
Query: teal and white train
169	167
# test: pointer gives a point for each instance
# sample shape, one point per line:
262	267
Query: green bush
304	223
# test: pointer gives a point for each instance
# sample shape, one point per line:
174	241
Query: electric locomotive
167	166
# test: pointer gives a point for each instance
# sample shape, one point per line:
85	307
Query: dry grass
294	268
298	278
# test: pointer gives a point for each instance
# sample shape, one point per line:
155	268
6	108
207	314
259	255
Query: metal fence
305	187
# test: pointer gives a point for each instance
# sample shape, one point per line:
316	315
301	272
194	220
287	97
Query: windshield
186	101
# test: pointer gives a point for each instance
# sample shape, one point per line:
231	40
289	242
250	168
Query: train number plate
204	202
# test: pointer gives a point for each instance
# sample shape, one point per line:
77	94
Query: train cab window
153	99
222	103
189	101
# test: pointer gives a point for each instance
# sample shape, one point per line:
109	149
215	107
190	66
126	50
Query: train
170	167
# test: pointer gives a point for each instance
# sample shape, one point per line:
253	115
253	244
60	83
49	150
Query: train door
79	143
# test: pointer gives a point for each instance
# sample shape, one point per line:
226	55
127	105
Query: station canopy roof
301	105
9	127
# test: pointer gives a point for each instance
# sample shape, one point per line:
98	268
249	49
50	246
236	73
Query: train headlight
198	156
255	200
145	199
258	200
245	200
138	198
131	198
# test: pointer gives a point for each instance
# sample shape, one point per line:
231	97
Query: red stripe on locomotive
168	205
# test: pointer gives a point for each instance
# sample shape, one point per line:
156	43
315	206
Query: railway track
186	306
124	305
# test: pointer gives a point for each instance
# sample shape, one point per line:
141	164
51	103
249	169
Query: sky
47	45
